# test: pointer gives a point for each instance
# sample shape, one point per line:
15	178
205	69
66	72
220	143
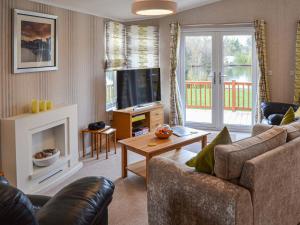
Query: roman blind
142	46
115	45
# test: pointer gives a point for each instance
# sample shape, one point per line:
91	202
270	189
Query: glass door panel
218	78
237	78
198	66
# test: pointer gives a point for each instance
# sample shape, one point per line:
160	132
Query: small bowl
48	161
164	135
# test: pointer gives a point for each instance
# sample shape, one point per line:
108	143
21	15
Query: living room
150	112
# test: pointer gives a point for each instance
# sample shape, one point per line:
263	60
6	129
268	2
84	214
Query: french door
218	77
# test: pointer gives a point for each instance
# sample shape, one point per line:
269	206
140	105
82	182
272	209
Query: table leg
124	161
115	141
97	145
204	141
106	144
100	142
83	146
148	157
92	145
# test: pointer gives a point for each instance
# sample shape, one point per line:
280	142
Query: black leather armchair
273	112
83	202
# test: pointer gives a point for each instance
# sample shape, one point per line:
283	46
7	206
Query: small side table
95	143
110	133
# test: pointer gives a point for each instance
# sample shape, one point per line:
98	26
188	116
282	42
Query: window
128	47
111	90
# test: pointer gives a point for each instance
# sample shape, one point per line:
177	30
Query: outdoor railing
237	95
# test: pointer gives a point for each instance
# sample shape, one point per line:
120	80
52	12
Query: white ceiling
115	9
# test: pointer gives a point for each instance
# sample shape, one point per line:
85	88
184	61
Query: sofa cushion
204	160
288	117
230	159
297	113
293	130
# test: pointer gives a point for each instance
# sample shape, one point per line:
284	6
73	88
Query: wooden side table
110	133
95	140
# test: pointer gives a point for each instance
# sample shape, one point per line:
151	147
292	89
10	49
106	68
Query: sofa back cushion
230	159
293	130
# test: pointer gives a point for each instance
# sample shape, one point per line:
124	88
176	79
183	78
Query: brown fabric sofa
264	190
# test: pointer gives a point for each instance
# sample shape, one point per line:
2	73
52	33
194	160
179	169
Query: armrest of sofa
273	179
38	201
260	128
179	196
81	202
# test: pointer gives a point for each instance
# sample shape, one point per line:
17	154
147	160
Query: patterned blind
142	46
115	45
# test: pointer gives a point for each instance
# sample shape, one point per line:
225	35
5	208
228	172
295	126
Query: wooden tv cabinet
123	119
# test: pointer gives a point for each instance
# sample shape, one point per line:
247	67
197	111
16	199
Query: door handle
220	77
214	77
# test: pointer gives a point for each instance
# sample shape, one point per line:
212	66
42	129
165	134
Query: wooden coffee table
173	145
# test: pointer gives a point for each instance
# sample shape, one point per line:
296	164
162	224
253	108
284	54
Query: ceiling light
154	7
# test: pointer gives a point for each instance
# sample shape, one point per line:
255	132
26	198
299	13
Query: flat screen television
138	87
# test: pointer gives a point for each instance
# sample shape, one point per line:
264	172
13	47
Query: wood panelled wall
80	77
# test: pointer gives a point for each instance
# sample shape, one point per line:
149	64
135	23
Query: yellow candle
35	108
49	105
43	106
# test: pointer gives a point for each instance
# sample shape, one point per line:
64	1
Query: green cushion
289	117
297	113
204	161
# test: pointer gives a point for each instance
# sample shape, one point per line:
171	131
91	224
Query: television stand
140	107
127	120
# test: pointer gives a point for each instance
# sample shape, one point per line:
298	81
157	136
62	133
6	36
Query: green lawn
196	99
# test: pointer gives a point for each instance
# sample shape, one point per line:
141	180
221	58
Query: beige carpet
129	205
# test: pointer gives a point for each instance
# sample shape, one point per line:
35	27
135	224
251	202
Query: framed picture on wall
35	46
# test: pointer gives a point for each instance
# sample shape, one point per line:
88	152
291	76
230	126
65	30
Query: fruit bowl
46	157
163	132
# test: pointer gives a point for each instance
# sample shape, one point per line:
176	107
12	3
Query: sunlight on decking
230	117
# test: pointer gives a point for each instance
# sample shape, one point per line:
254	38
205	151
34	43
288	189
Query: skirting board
88	151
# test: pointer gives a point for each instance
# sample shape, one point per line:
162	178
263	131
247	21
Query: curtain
115	45
142	46
297	69
263	85
175	117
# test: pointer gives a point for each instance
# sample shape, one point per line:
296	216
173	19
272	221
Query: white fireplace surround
24	135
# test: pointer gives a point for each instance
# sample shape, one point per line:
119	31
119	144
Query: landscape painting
35	44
